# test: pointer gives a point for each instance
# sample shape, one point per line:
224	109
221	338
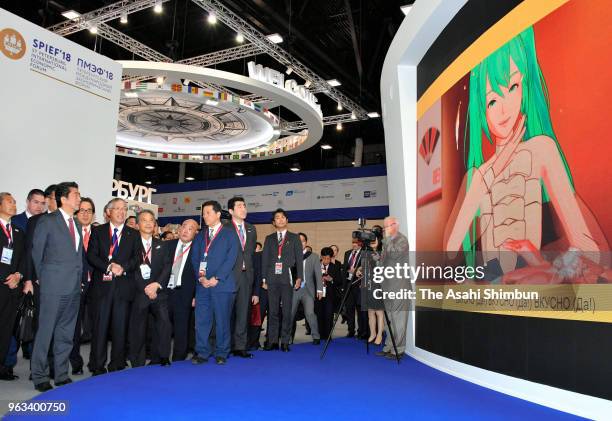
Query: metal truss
101	15
327	121
255	37
229	54
130	44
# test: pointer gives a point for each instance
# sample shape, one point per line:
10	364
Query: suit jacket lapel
64	227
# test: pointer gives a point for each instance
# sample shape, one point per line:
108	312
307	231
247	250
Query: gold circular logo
12	44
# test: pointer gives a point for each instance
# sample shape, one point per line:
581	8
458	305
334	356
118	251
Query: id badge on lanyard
7	255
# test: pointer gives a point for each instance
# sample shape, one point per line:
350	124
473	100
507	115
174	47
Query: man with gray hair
395	251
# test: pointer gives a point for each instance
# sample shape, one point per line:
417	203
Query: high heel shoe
377	341
371	339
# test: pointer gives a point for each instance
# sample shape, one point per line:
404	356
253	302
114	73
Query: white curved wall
418	31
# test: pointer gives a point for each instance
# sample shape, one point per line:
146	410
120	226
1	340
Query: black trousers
9	300
111	312
280	297
255	331
242	309
353	308
76	361
179	310
324	310
141	307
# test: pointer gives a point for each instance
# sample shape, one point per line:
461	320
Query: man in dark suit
283	271
35	205
331	276
12	267
151	295
352	260
214	255
57	253
243	273
181	286
114	256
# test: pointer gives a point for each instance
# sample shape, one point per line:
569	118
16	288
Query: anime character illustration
500	202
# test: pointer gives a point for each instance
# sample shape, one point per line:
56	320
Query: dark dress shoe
381	353
316	341
8	376
153	363
77	371
350	335
63	382
164	362
43	387
198	360
392	356
285	348
220	360
99	372
112	369
271	347
242	354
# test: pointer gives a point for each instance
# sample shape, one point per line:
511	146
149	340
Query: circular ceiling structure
172	121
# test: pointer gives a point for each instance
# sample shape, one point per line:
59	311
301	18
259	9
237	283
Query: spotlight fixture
339	107
288	71
71	14
275	38
333	82
158	7
93	29
353	116
148	183
212	18
238	174
326	147
239	38
295	167
307	84
373	114
150	167
339	127
123	18
189	178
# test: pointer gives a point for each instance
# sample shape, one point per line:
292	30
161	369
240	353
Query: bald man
182	287
395	250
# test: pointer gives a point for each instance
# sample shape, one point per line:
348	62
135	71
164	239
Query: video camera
364	235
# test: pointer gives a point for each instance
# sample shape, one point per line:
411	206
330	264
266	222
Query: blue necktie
115	241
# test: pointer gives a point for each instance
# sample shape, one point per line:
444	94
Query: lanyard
207	243
238	232
115	243
7	232
177	258
280	246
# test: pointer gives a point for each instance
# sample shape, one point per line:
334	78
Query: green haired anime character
501	199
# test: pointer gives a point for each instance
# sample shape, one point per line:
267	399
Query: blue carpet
346	385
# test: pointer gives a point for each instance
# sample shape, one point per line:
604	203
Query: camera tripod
366	259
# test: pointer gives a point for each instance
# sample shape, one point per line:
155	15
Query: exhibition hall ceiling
346	40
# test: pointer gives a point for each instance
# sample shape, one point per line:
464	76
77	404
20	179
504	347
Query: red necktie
72	230
86	239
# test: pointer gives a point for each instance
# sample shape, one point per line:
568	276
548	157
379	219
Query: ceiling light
239	174
373	114
339	107
150	167
339	126
333	82
148	182
275	38
212	102
288	71
212	18
353	116
307	84
131	94
294	169
159	80
123	18
93	29
353	163
158	7
239	38
189	178
405	9
326	147
71	14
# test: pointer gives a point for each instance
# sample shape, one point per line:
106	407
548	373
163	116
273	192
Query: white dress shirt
177	282
66	217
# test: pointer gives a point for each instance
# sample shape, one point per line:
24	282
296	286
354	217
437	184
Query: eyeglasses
86	211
